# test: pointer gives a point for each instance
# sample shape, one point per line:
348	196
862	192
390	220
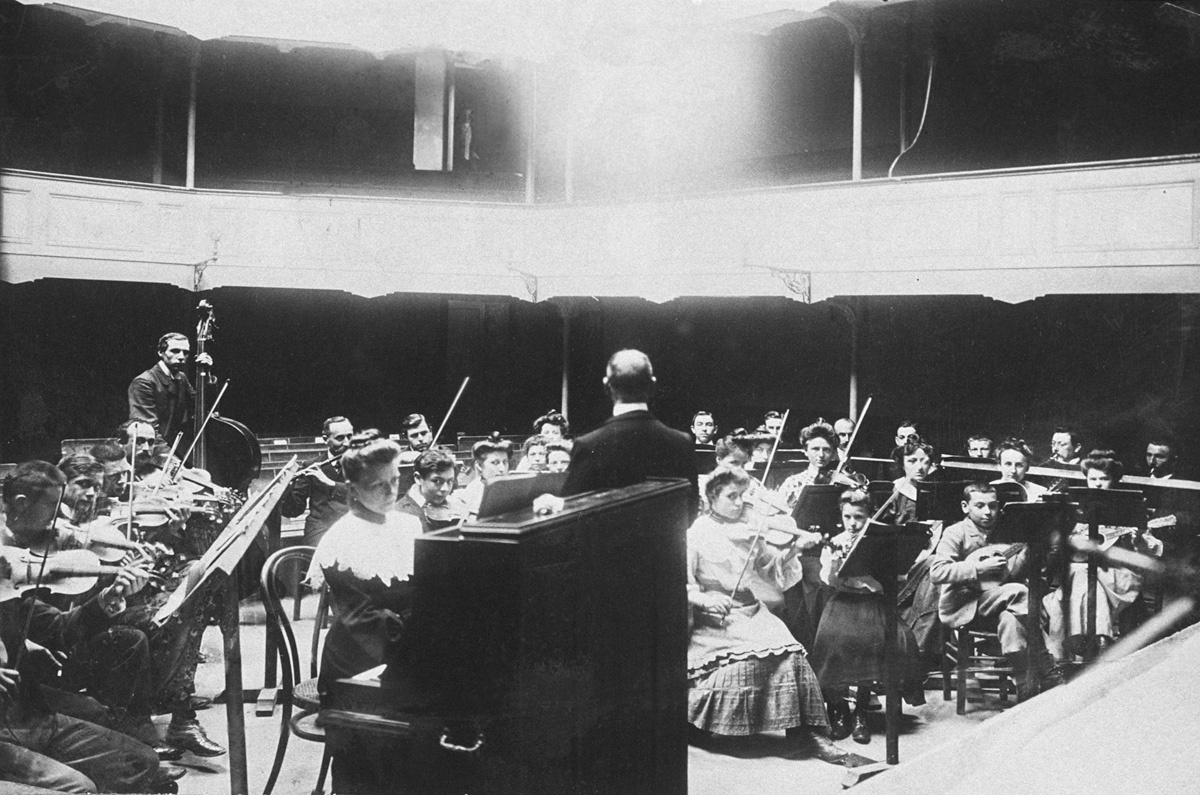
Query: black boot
861	733
839	718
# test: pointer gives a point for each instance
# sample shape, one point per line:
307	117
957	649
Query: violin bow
774	447
203	425
170	457
37	583
446	419
749	556
854	435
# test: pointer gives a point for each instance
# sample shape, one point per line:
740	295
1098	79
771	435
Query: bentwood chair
298	697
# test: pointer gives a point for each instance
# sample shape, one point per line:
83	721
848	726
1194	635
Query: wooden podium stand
555	644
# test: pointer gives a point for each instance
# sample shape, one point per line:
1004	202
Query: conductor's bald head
629	377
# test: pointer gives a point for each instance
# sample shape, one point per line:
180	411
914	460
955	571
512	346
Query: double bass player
163	396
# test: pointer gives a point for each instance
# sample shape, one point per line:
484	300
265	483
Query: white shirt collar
414	494
163	366
625	408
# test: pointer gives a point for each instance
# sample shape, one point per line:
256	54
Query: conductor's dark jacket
165	403
627	449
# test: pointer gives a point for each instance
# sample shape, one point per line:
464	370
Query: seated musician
1014	457
45	747
746	673
906	432
919	461
431	497
849	646
704	428
417	436
1117	587
177	542
552	426
844	428
1064	448
1160	458
981	585
558	456
366	559
820	444
319	487
533	455
491	460
772	424
112	458
980	445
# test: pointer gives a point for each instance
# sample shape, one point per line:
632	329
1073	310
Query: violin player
417	436
116	757
844	428
431	496
163	396
320	487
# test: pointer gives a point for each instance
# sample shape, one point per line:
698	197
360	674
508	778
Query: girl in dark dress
849	645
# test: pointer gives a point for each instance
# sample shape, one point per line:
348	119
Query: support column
855	28
429	114
853	317
565	308
531	136
451	85
194	68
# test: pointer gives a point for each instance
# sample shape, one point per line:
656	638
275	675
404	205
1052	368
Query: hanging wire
924	114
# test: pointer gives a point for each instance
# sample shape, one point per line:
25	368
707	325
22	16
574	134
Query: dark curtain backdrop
1117	367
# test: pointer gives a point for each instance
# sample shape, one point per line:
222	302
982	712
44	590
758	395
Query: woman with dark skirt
849	645
746	673
366	558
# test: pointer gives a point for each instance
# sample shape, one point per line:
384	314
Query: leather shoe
171	772
820	747
198	703
167	753
190	736
861	733
839	720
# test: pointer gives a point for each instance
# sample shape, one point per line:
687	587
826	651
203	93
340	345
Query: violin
70	572
102	537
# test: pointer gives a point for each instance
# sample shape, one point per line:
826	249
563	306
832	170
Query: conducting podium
549	651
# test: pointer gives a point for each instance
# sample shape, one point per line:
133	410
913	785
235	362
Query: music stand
819	506
940	500
516	491
885	552
1038	525
1119	507
1009	491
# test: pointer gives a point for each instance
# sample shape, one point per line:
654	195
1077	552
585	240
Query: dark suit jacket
164	403
627	449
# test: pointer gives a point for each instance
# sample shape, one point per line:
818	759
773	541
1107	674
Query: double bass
223	447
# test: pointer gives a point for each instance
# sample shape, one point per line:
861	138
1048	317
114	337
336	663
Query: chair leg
325	758
965	650
947	662
297	592
285	732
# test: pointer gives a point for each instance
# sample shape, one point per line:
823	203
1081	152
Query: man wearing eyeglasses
163	396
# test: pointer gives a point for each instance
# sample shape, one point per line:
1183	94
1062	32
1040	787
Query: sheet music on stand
819	506
940	500
1118	507
1030	522
227	551
885	547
